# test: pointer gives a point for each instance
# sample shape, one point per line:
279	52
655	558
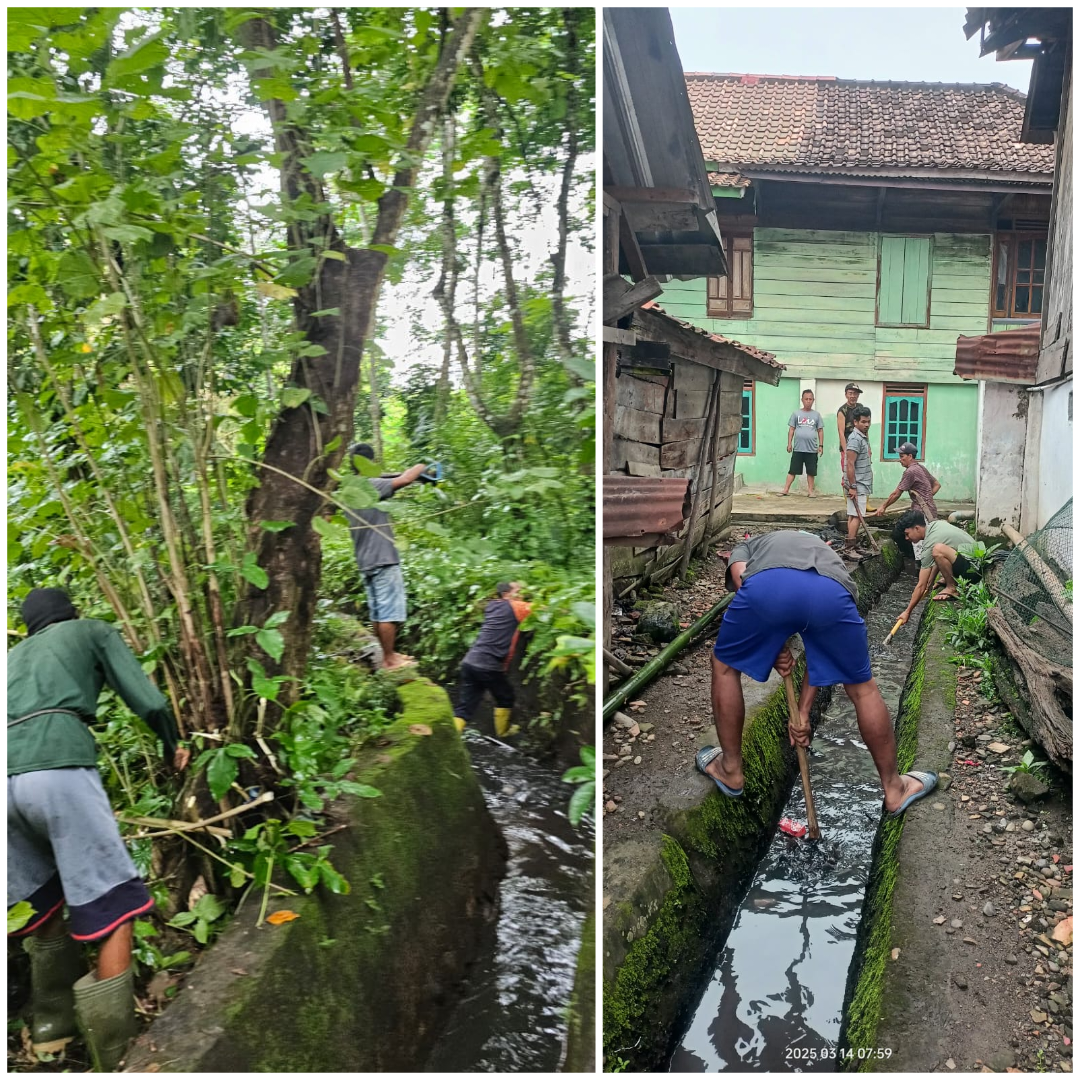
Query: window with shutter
904	281
732	297
904	413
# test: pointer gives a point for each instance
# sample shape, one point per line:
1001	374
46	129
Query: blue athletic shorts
774	604
385	589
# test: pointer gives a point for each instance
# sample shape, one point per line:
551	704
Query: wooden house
866	226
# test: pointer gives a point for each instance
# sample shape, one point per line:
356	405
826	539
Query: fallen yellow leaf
280	917
419	729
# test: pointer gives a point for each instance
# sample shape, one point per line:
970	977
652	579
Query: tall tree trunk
295	449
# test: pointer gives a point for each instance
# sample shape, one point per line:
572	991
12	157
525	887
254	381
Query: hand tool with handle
804	766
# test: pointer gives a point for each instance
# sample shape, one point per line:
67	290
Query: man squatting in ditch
64	846
941	548
793	583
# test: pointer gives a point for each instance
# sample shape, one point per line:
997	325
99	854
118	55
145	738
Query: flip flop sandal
702	759
929	782
939	599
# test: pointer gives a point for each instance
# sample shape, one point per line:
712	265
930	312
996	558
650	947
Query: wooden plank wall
659	428
1055	357
815	294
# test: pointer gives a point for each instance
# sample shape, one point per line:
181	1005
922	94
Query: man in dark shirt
486	663
917	481
378	560
845	421
63	843
793	583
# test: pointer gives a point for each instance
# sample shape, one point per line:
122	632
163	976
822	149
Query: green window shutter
746	433
904	280
905	418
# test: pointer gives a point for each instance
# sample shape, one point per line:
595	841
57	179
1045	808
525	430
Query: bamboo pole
1043	572
814	832
649	671
613	661
710	423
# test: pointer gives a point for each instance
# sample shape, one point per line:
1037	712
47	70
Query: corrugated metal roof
757	354
644	505
1007	356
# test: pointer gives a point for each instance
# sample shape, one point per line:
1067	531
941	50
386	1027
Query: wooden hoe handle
814	832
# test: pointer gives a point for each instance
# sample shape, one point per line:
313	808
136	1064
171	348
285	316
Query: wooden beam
687	343
645	352
880	207
620	297
628	243
637	196
616	336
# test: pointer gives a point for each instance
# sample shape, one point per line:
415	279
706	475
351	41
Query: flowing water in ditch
774	1002
512	1014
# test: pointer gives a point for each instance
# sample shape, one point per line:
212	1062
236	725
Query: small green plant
18	916
1068	589
583	800
200	919
980	555
149	955
970	629
618	1064
1028	764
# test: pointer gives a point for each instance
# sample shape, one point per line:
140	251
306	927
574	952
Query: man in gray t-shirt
378	560
858	478
805	443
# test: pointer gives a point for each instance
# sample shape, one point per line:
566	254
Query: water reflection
775	1000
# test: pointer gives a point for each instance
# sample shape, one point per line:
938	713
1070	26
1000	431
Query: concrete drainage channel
723	942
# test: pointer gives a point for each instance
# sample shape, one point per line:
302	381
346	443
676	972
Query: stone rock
1038	1017
989	910
1026	787
1002	1060
624	721
998	747
960	981
645	727
659	620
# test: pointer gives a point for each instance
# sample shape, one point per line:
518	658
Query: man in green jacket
64	847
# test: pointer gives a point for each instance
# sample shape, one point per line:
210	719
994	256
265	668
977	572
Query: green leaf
251	571
582	368
586	612
271	642
326	161
386	249
277	619
292	397
332	879
304	829
326	313
581	802
202	931
356	493
246	404
77	275
298	273
209	907
237	876
220	773
239	750
365	466
276	526
361	791
183	918
304	871
112	304
240	631
332	530
142	56
128	234
263	687
18	916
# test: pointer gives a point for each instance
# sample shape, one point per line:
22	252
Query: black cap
43	607
853	386
908	448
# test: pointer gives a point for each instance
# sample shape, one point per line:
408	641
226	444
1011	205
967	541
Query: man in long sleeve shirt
63	843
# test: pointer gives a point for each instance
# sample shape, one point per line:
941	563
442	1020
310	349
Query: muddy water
511	1017
774	1002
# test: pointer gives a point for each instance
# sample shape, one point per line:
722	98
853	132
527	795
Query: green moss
866	981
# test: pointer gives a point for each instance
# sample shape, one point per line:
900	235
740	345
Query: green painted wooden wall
815	306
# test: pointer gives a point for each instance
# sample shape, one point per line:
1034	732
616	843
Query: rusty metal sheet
1007	356
644	506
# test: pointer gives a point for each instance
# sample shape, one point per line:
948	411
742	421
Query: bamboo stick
649	671
613	661
814	832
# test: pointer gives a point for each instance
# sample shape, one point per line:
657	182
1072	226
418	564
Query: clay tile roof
758	354
732	180
821	124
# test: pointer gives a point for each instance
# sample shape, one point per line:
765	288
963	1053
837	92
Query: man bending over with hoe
487	662
63	843
944	550
378	560
793	583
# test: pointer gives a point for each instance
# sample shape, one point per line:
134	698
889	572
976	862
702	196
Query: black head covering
43	607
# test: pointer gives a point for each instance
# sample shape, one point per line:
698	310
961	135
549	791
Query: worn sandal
702	758
929	782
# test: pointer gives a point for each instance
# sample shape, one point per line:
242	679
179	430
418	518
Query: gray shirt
807	423
864	472
793	551
372	533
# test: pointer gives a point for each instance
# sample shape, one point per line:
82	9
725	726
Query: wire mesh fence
1035	594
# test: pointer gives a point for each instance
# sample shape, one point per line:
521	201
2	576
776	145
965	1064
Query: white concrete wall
1003	421
1055	451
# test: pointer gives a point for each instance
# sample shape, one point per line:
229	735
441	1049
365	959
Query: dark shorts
962	568
64	847
799	459
774	604
474	682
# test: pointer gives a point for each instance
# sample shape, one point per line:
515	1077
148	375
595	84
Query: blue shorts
774	604
385	589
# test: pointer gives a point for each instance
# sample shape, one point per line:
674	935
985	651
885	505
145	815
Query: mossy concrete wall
880	1006
363	982
580	1053
661	940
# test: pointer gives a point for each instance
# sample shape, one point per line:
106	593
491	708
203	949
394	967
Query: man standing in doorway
805	443
845	421
917	482
859	475
378	560
63	844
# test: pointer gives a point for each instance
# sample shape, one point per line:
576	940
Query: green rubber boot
55	964
106	1012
